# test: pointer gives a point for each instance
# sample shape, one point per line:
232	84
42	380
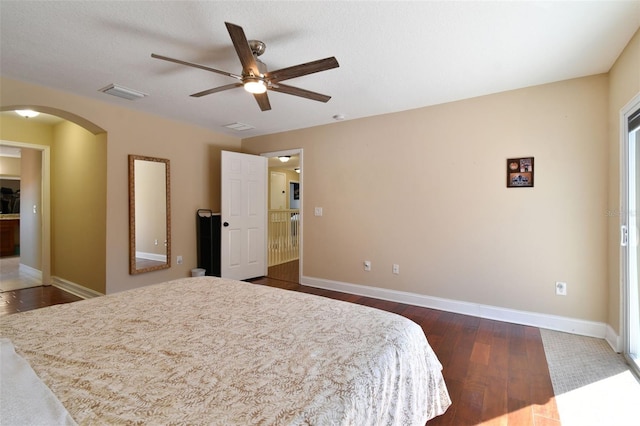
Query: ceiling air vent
239	126
123	92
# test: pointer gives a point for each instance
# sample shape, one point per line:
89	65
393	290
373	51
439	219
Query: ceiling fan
255	78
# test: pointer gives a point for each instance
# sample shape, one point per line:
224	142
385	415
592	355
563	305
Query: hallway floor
11	278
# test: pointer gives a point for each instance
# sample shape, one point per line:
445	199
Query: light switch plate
318	211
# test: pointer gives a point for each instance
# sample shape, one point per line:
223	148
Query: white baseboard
73	288
552	322
613	339
30	272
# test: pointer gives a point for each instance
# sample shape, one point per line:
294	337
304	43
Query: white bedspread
24	398
222	352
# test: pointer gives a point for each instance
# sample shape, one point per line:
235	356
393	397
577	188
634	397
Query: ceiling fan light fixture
27	113
255	86
284	158
254	77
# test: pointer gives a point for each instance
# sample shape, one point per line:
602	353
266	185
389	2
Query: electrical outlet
395	269
367	265
561	288
179	260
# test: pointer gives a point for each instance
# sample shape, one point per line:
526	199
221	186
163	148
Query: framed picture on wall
296	190
520	172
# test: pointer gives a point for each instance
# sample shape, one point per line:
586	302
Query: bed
214	351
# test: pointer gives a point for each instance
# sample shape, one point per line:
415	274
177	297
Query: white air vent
123	92
239	126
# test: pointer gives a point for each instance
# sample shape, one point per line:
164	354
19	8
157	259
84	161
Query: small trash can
198	272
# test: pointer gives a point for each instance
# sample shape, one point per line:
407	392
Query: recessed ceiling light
27	113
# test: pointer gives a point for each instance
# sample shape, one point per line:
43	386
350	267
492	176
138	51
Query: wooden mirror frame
133	268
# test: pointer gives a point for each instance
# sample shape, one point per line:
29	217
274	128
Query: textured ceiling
393	56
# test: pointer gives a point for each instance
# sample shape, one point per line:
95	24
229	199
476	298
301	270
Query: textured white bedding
213	351
24	398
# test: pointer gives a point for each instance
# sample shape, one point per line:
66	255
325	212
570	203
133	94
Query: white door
278	192
243	216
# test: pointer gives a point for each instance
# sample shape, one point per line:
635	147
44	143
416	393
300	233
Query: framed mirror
149	214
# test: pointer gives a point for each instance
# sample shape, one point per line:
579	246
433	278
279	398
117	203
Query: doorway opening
25	237
284	215
80	221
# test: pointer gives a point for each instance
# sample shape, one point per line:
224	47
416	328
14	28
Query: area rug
592	384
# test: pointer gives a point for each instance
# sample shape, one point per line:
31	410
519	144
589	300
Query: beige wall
19	129
195	172
624	84
78	206
9	166
427	189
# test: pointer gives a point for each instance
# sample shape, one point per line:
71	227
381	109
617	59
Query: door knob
225	224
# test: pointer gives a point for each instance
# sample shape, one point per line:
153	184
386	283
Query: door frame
625	219
300	153
45	205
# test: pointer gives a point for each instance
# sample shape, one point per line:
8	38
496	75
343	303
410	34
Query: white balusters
284	236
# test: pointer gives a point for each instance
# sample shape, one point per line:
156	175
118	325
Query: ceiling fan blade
242	49
303	93
216	90
191	64
302	69
263	101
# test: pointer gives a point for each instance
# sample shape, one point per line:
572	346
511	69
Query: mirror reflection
149	214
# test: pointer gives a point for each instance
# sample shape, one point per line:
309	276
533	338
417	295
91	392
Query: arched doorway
72	206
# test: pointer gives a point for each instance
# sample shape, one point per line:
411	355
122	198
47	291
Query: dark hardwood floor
287	272
496	372
33	298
